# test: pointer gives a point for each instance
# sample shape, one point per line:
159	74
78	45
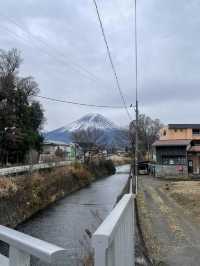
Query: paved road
173	237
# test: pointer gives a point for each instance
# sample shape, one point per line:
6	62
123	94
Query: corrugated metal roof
183	126
176	142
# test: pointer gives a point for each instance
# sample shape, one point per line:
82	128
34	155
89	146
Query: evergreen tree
21	117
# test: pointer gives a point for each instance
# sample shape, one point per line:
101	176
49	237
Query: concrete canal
71	221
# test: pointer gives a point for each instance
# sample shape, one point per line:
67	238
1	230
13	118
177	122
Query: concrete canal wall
23	196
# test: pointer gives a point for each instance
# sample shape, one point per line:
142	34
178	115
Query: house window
196	131
173	160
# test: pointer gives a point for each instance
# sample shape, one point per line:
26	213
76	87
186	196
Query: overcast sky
65	53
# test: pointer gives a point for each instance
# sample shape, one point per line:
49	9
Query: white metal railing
113	242
22	246
33	167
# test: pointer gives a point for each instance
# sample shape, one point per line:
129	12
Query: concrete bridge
113	242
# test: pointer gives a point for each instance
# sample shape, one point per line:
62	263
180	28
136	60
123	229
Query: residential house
57	150
178	149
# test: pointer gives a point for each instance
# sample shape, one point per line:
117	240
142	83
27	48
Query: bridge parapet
113	241
22	246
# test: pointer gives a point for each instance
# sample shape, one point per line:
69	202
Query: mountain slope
99	127
96	121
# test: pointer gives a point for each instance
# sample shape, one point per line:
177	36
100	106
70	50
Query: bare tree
148	133
91	135
9	61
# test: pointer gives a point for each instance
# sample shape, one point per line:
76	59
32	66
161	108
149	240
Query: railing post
18	258
114	239
100	252
131	186
133	226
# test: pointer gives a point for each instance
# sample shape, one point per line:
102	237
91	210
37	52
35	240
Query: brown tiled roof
194	149
183	126
175	142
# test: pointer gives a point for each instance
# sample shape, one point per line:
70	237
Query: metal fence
171	170
22	246
33	167
113	242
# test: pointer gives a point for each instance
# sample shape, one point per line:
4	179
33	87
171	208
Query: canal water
69	222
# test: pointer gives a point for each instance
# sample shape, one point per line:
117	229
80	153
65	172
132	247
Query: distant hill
104	131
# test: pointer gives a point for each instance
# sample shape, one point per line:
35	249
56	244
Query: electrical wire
78	103
75	66
111	60
34	38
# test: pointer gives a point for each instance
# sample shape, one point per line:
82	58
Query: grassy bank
23	196
120	160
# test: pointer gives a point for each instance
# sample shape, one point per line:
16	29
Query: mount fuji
104	131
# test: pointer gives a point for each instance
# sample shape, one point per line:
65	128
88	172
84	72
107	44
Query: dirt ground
169	215
187	195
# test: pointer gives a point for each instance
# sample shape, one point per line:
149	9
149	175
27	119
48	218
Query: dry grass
22	196
120	160
80	171
7	186
76	175
145	221
186	194
88	261
35	183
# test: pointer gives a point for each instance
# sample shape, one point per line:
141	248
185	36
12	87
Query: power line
78	103
28	33
111	60
44	43
75	66
15	35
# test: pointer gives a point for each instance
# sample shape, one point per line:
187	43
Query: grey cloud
169	56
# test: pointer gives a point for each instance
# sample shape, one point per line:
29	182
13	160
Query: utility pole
136	104
136	146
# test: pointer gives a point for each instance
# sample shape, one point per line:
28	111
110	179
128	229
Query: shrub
81	174
102	168
110	167
7	186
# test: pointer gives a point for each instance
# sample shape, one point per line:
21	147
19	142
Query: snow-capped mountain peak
108	135
95	121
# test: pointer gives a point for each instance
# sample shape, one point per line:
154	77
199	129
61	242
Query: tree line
148	130
21	116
